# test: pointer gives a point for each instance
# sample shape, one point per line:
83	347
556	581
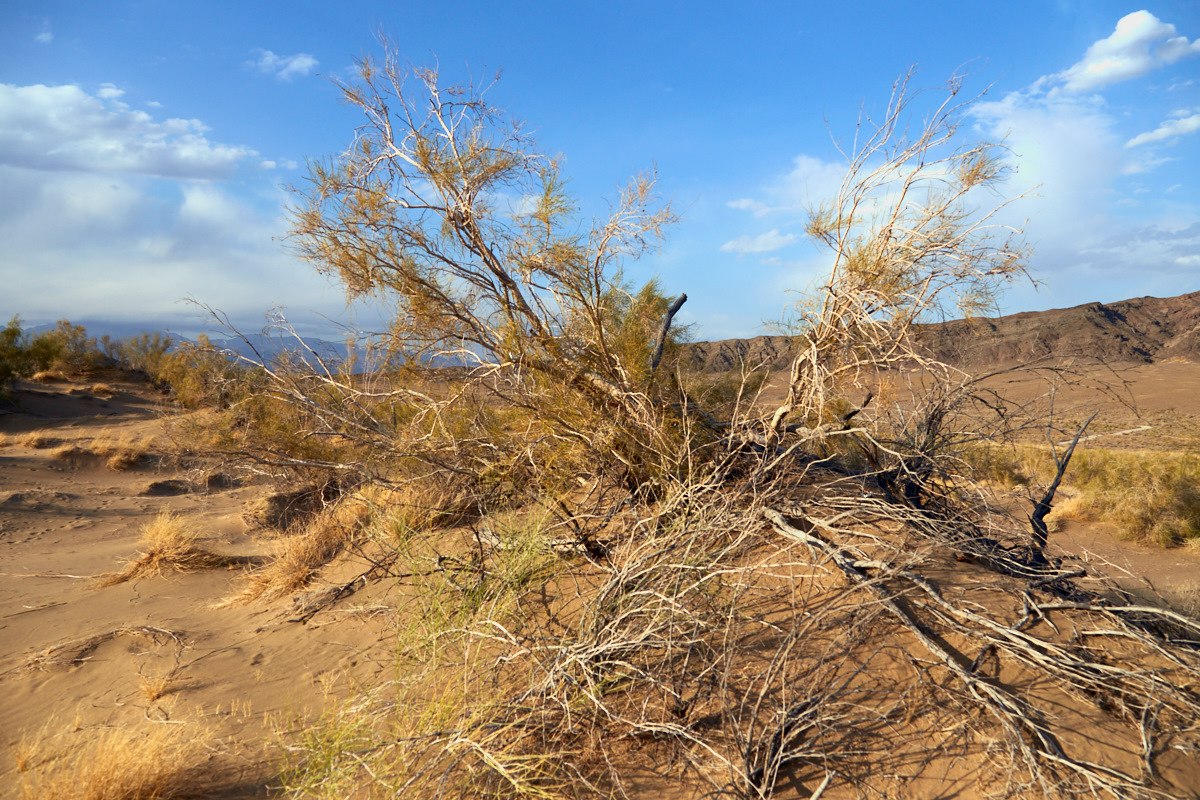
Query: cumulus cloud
284	67
1140	44
54	128
130	247
1170	129
763	243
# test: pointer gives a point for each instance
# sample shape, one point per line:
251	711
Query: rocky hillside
1142	330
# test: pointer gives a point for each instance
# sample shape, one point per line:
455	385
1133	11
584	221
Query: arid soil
76	658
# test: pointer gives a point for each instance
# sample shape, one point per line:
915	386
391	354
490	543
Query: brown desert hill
1138	331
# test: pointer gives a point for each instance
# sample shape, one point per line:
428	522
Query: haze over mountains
1138	331
1141	330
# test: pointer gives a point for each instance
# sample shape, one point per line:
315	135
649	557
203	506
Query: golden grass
155	687
102	390
121	453
68	452
299	556
118	453
6	440
38	440
170	543
48	376
1149	495
152	763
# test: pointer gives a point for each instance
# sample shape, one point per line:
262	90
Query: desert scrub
1148	495
169	542
38	440
298	556
159	762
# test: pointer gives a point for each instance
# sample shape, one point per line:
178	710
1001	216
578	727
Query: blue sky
144	146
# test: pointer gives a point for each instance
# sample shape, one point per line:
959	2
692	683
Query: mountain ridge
1139	330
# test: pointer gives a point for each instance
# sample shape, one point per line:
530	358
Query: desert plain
83	654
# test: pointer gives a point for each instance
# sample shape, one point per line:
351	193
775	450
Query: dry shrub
432	501
300	555
48	376
1149	495
6	440
102	390
284	510
38	440
113	764
155	687
122	452
68	452
170	543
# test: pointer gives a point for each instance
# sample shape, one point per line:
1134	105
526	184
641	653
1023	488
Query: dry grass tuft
38	440
122	453
48	376
102	390
114	764
155	687
68	452
170	543
299	556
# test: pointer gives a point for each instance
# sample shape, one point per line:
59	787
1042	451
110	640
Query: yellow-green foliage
1151	495
198	375
66	348
147	352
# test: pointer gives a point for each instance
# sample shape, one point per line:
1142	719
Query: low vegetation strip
1148	495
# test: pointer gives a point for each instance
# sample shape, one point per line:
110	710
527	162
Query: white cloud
1188	261
763	243
109	91
810	181
746	204
1175	127
1140	43
44	35
63	128
127	247
284	67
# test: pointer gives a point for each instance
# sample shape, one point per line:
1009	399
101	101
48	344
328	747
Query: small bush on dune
121	453
299	555
38	440
169	542
156	763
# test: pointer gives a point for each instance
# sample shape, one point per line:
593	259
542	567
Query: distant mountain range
1142	330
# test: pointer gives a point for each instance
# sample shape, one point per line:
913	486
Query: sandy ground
76	658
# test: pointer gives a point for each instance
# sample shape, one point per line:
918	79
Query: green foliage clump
66	348
12	354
